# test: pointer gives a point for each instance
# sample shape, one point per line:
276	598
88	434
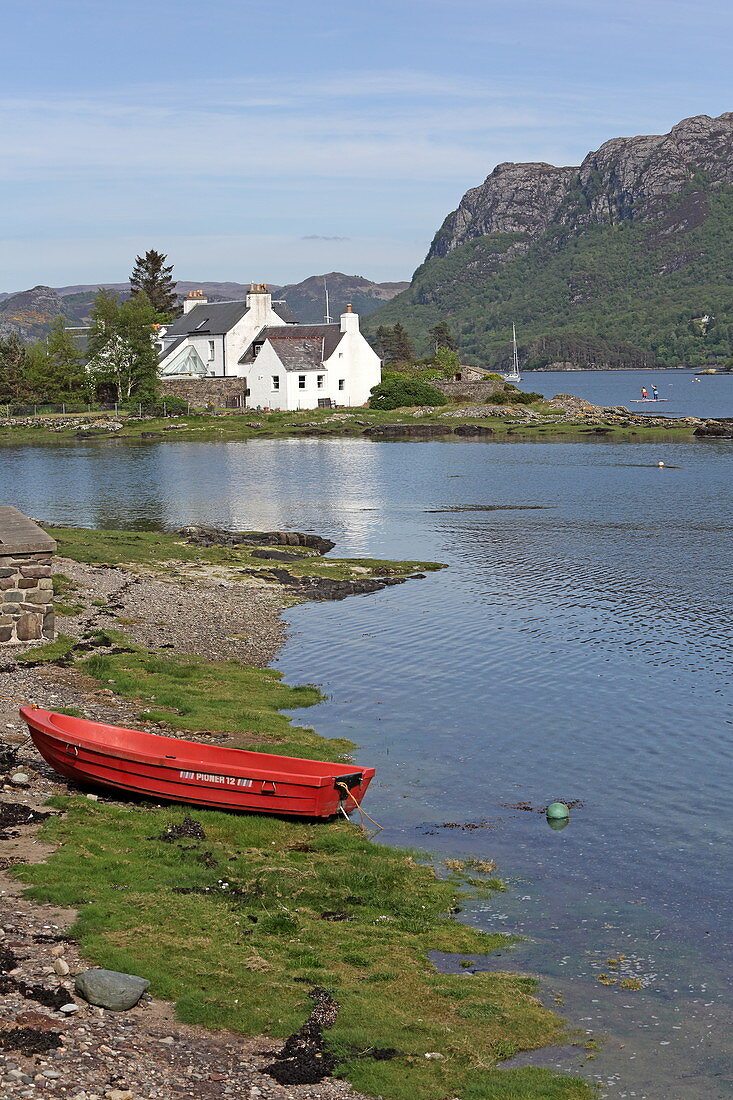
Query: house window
341	355
301	381
342	383
276	381
256	349
319	380
211	350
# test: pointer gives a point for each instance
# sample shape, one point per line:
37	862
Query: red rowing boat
187	771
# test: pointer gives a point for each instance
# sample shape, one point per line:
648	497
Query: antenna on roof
325	291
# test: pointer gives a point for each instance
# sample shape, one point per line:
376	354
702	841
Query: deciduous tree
122	350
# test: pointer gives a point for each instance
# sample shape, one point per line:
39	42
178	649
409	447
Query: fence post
115	408
34	410
188	408
165	409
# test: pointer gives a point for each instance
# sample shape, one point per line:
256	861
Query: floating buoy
660	465
557	811
558	823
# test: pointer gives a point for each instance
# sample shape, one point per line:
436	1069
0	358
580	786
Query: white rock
61	967
434	1054
69	1009
93	797
20	779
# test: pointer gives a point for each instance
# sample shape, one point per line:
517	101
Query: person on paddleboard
644	394
655	393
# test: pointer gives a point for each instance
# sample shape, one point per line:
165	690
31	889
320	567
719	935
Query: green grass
159	548
50	652
63	587
234	961
230	956
189	693
233	427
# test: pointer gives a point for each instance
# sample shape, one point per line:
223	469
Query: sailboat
513	375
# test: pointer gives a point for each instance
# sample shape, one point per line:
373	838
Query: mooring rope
359	807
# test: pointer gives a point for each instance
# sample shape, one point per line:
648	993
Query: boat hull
174	770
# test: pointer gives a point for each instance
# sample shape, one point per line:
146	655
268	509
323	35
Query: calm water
578	647
709	395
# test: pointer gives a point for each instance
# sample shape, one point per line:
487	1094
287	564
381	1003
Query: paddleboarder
655	393
644	394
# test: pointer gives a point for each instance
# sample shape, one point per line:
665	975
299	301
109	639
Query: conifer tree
152	276
442	336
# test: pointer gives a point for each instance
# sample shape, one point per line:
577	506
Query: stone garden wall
223	393
26	587
480	392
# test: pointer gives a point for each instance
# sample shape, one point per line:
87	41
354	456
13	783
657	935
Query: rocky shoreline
90	1053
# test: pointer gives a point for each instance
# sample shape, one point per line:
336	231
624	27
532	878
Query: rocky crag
622	261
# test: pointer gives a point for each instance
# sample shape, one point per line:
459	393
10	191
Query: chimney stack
349	320
194	298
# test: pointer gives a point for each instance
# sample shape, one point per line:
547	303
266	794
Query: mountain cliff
625	260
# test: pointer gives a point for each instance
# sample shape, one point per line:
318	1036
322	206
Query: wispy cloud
321	237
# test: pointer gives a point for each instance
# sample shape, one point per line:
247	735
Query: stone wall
480	392
26	588
223	393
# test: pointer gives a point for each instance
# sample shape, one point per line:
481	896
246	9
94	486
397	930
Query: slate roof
282	309
212	318
171	347
299	345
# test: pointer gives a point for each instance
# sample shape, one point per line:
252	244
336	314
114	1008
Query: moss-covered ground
157	549
235	928
250	424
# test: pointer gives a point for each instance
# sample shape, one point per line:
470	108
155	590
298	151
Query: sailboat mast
325	291
515	358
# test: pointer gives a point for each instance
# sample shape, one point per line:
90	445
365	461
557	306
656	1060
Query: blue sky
279	139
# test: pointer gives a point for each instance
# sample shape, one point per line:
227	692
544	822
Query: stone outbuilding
26	586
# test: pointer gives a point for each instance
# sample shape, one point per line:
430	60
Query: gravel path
143	1054
210	615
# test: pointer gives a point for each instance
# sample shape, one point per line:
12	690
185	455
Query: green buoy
557	811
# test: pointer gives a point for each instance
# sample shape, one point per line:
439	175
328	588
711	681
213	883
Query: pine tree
442	336
152	277
400	348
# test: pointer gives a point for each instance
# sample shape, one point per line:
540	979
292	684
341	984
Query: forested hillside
626	261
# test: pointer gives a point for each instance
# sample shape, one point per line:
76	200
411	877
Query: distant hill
625	261
30	313
307	299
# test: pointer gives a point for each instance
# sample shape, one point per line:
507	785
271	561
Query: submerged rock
110	989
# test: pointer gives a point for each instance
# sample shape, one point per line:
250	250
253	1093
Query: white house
210	336
284	365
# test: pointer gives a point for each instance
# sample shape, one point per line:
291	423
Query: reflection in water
578	648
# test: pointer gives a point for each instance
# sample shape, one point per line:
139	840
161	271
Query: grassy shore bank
238	919
356	423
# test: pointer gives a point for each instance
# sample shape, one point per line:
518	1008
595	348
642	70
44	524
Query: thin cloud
321	237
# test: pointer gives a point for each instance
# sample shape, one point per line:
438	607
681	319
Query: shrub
394	392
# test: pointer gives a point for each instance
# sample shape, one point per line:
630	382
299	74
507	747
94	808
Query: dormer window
256	349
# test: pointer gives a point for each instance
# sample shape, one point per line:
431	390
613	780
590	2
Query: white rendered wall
259	380
259	314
